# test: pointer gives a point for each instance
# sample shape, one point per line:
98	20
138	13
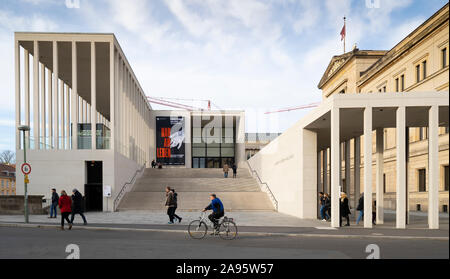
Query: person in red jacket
65	204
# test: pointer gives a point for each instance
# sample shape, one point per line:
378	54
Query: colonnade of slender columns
401	195
133	115
57	108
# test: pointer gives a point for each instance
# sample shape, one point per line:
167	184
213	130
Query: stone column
93	99
379	175
55	96
36	122
368	167
335	167
357	172
17	87
75	99
433	167
401	167
27	94
43	132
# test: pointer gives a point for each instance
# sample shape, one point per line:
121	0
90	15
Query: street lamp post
24	129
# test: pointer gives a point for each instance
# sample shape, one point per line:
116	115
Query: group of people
156	165
69	206
344	208
226	169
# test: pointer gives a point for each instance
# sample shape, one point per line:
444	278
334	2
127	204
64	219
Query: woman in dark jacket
344	209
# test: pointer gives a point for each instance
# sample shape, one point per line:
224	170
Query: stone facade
419	62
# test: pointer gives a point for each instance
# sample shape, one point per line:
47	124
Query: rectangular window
417	73
422	180
384	183
396	85
446	177
444	57
402	77
424	69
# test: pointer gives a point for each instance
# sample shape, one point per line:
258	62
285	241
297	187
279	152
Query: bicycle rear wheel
197	229
228	230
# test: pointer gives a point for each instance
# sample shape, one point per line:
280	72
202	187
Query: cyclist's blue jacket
216	205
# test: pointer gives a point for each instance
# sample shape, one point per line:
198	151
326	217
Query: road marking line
20	225
325	228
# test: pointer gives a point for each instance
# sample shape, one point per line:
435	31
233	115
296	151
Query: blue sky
241	54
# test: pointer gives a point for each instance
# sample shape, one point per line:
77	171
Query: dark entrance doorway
93	189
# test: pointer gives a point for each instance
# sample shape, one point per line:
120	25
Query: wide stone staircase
193	187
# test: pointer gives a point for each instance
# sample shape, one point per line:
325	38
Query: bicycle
197	229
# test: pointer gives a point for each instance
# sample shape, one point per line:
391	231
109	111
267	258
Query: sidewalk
249	223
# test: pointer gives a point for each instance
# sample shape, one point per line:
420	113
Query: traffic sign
26	168
26	180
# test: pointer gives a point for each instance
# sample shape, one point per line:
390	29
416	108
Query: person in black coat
77	206
344	209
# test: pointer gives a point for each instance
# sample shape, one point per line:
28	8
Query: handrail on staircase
272	196
125	187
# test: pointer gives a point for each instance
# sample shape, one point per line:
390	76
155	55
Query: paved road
38	243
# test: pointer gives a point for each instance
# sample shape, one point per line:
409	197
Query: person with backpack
77	206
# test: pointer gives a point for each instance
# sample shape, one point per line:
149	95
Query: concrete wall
288	165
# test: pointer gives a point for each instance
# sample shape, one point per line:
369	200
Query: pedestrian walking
175	197
225	170
77	206
65	205
360	208
234	167
327	209
344	209
171	204
54	204
374	212
153	164
322	206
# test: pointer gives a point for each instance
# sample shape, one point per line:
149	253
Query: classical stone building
418	63
7	179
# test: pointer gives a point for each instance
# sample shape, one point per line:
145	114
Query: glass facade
103	136
213	141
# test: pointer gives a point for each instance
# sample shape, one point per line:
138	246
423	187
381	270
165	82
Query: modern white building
92	125
291	164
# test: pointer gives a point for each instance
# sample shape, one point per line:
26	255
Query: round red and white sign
26	168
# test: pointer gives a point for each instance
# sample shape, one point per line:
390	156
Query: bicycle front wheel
228	230
197	229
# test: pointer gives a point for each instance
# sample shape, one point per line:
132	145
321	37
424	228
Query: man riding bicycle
217	208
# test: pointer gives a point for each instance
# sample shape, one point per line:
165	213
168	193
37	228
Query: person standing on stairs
225	170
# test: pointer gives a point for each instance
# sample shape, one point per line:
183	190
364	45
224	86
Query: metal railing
125	187
271	195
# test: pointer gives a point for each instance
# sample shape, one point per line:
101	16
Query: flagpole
345	28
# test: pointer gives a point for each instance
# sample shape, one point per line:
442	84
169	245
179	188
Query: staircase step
196	201
193	187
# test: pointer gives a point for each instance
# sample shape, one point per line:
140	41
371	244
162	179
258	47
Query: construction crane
166	102
312	105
